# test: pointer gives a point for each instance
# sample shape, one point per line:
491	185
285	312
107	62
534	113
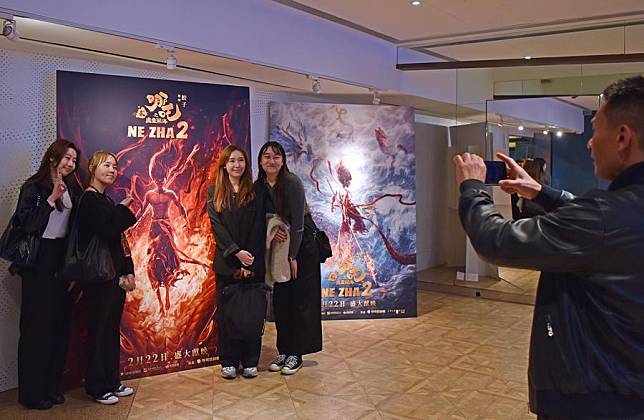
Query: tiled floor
462	358
514	285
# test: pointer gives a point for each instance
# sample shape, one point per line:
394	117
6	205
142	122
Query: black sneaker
292	365
107	399
277	364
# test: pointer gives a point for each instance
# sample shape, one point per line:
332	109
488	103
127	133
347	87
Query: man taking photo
587	343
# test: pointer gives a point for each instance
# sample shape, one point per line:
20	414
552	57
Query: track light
171	62
171	59
376	97
315	84
9	30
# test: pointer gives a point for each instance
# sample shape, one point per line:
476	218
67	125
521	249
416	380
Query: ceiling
54	39
455	29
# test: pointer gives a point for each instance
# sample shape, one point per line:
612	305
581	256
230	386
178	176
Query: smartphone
496	171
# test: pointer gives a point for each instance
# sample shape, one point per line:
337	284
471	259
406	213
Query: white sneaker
228	372
277	364
123	391
292	365
107	399
250	372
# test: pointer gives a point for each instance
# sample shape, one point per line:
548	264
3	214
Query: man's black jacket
587	344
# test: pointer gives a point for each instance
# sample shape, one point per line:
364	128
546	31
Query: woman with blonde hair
98	216
237	220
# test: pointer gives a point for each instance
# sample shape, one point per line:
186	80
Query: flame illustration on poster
167	136
358	166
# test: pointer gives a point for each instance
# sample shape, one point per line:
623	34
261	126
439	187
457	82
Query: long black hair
282	206
54	154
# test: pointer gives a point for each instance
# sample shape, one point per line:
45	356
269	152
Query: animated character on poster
360	167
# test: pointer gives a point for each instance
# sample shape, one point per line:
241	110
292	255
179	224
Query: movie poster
358	167
167	136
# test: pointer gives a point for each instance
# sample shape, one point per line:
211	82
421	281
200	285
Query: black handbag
93	264
244	310
17	246
320	238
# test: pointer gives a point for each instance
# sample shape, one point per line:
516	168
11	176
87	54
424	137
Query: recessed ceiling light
528	57
545	132
415	3
520	128
559	133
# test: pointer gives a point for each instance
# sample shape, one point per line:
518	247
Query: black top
297	205
97	215
236	229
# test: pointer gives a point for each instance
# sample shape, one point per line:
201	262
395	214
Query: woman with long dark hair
296	302
44	209
237	220
99	216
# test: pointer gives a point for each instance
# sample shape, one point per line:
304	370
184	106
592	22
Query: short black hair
624	104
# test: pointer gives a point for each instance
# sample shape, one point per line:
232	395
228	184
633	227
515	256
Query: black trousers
45	311
296	304
104	304
232	352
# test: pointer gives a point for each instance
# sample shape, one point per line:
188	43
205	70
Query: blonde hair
98	158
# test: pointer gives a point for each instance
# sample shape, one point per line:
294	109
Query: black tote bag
244	308
93	264
17	246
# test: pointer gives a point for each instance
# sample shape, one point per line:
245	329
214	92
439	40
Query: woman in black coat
44	210
98	216
296	302
237	220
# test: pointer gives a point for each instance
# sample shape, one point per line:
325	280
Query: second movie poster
358	166
167	136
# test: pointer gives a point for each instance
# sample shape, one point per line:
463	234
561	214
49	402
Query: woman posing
237	220
296	302
44	208
98	216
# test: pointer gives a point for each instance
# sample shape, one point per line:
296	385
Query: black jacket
97	215
236	229
587	344
33	210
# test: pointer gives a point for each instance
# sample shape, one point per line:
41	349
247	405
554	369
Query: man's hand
519	181
469	166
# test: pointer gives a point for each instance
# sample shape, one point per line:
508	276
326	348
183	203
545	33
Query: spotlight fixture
171	59
376	97
9	30
415	3
520	128
315	84
559	133
171	62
